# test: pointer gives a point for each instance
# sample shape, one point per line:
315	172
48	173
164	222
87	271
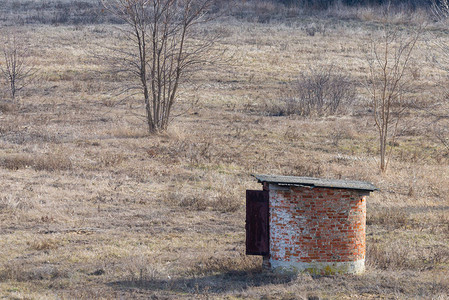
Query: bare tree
165	48
15	68
389	82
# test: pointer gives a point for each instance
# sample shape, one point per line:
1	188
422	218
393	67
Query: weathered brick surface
313	225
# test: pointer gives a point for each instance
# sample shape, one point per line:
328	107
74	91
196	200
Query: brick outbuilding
308	224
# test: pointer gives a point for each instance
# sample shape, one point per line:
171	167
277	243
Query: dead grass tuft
46	162
226	204
22	272
43	244
307	168
196	202
109	159
212	265
402	254
5	128
227	198
16	162
12	203
386	256
223	199
183	199
195	153
6	107
389	217
125	132
52	162
140	268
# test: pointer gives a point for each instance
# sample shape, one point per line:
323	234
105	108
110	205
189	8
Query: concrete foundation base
319	268
266	264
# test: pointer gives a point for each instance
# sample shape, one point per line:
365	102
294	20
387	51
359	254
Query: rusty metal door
257	235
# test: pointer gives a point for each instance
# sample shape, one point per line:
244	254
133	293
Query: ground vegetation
94	207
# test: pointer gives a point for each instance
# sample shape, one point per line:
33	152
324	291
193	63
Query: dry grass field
92	207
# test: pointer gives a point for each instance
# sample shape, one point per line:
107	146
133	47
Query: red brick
333	219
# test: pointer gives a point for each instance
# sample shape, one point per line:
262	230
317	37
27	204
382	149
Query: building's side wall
321	230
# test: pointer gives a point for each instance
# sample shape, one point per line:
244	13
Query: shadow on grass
216	283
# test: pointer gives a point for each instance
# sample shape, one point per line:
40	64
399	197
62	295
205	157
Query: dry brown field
92	207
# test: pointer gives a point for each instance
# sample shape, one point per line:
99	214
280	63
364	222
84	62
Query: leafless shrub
340	133
142	268
292	134
321	91
16	67
198	152
439	126
314	28
324	91
441	131
310	30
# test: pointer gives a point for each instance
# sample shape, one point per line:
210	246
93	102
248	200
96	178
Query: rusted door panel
257	223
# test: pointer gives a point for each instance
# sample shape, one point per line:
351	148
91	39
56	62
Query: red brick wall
317	225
